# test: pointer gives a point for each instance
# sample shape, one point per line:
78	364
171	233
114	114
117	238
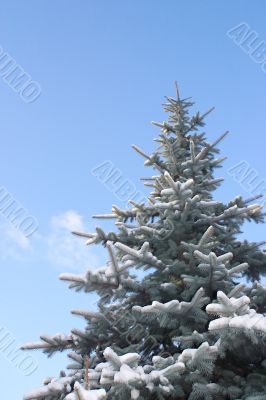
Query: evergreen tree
186	327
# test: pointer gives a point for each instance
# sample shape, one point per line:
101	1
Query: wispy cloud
14	245
64	249
17	237
69	220
58	247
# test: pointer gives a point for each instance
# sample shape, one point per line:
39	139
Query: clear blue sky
104	67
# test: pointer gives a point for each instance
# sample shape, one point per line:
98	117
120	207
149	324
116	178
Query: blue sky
104	69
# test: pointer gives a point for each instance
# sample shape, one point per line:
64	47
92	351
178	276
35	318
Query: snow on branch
227	307
139	257
58	342
182	190
82	394
165	312
54	388
231	212
125	372
202	358
204	245
150	160
109	276
235	314
219	264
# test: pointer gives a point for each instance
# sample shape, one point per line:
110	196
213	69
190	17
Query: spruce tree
186	326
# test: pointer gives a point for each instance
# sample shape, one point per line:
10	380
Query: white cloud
70	220
66	250
17	237
13	244
62	249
